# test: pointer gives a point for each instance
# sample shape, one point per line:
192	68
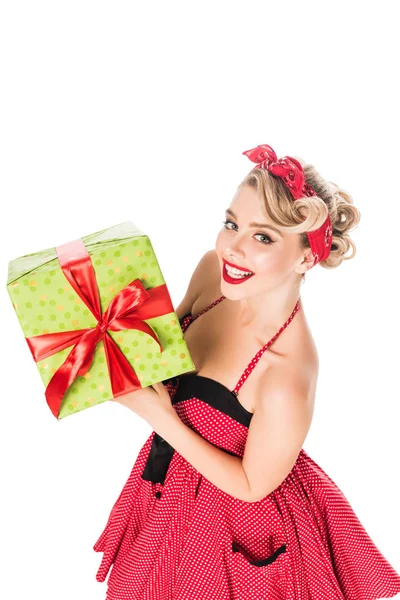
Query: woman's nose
235	248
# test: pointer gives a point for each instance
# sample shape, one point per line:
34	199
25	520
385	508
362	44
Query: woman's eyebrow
263	225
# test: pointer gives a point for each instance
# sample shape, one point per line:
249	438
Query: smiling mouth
234	274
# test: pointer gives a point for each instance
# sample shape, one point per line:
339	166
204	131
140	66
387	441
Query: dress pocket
263	577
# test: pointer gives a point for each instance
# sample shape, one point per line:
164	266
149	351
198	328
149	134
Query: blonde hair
308	213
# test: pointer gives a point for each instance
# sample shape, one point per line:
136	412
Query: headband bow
291	172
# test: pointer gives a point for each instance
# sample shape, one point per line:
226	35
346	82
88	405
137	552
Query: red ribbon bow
287	168
127	310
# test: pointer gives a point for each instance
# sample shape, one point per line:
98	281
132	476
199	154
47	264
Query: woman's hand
149	402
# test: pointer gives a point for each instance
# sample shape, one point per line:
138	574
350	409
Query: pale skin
281	389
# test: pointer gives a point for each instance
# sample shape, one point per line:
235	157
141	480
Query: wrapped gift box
98	318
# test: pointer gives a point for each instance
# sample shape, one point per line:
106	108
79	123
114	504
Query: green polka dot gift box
98	318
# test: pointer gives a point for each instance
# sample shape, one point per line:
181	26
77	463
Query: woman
222	502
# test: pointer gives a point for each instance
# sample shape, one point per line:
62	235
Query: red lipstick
234	280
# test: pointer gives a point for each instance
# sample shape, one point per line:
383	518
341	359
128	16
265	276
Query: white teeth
236	273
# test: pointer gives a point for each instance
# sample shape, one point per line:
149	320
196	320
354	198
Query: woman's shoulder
289	373
210	287
294	359
203	285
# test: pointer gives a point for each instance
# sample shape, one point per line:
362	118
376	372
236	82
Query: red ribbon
127	310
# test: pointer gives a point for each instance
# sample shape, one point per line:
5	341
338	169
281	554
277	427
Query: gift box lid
24	265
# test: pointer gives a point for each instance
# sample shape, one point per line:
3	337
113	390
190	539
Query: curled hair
308	213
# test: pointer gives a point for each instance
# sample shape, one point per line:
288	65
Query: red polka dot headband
291	172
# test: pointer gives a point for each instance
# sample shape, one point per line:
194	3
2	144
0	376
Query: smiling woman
223	502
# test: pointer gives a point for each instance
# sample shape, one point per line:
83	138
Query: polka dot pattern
45	302
185	539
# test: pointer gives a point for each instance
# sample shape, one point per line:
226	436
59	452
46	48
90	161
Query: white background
115	111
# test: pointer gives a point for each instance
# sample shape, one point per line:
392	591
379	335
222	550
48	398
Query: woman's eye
269	241
226	223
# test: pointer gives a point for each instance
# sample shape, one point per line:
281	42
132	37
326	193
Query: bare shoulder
290	382
285	399
204	280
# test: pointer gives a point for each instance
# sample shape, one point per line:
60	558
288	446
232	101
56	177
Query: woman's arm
282	418
220	468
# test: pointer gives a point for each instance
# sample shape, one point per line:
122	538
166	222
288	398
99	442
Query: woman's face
273	257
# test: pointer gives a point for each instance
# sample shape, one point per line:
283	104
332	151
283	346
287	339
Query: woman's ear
307	262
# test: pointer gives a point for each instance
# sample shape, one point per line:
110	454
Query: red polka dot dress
173	535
